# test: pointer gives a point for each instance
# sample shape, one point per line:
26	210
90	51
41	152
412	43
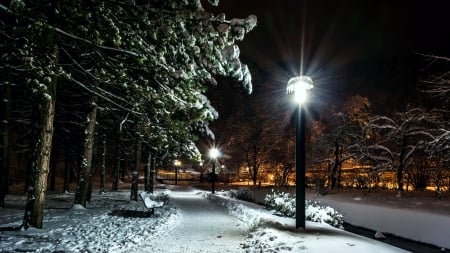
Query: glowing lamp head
177	163
214	153
300	85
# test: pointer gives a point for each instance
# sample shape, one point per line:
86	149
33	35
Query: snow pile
379	235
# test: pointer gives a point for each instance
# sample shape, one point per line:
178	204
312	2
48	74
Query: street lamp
299	86
177	164
214	153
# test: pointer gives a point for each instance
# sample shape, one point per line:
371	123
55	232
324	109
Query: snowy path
202	227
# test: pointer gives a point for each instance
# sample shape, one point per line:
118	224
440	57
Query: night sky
349	46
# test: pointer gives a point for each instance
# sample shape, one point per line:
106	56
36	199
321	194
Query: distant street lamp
214	153
299	86
177	164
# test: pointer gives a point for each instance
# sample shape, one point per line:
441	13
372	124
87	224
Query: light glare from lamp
214	153
300	85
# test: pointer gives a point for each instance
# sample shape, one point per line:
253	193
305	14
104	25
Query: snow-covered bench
149	202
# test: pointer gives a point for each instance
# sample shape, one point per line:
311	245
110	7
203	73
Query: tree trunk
42	163
117	164
339	178
152	171
400	172
5	132
255	165
85	177
138	154
255	175
438	186
103	165
334	170
400	179
31	153
47	104
147	173
137	166
286	170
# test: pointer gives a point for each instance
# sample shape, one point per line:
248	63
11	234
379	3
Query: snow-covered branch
104	97
118	50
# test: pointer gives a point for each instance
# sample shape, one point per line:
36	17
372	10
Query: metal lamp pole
299	86
213	177
213	153
177	163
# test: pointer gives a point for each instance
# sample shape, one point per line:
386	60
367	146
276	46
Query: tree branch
119	50
105	98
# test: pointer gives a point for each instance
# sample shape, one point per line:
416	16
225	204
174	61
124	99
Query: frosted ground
195	221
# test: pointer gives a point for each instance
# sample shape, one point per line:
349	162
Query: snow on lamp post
214	153
299	86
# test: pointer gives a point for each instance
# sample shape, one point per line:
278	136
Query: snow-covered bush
284	203
280	202
243	194
317	212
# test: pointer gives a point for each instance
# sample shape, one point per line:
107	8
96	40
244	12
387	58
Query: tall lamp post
177	164
299	87
214	153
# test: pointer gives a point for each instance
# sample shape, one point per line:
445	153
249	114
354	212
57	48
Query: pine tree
153	60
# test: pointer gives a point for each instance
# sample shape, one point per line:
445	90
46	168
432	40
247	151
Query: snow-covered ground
419	219
191	221
416	216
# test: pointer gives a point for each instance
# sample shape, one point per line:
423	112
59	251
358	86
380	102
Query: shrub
280	202
243	194
315	211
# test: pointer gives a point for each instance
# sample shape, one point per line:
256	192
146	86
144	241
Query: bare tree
335	135
394	141
436	87
438	151
437	83
282	156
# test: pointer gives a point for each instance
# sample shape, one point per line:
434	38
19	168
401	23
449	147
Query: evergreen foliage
152	59
145	65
